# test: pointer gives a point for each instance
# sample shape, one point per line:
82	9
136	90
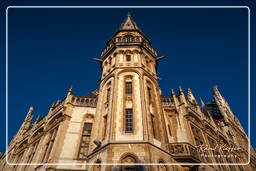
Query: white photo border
249	82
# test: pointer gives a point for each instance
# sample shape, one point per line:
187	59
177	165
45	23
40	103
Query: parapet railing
81	101
183	150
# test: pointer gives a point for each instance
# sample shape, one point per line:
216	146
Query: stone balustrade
129	40
81	101
167	102
184	151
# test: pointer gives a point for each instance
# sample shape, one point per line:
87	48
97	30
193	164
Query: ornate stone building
127	120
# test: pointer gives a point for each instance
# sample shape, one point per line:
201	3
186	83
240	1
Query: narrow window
108	95
106	66
84	144
170	131
128	88
149	95
105	126
128	58
128	120
153	120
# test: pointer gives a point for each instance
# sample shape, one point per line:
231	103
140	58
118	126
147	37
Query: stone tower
129	115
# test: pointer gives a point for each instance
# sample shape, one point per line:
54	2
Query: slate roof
93	94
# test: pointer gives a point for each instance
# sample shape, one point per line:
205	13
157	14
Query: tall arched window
153	124
128	111
85	139
128	120
149	91
105	118
108	93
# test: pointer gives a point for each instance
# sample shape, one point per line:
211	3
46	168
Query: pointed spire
175	99
27	122
128	23
70	88
29	114
215	89
182	96
218	97
180	90
38	118
201	102
53	104
25	125
31	108
172	92
190	95
221	103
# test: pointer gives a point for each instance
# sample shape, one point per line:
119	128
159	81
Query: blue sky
50	49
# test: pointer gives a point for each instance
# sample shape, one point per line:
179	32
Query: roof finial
182	96
128	23
52	105
180	90
172	92
70	88
218	97
215	89
190	95
29	114
38	118
31	108
202	102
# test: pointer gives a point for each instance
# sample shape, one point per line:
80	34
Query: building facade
127	120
